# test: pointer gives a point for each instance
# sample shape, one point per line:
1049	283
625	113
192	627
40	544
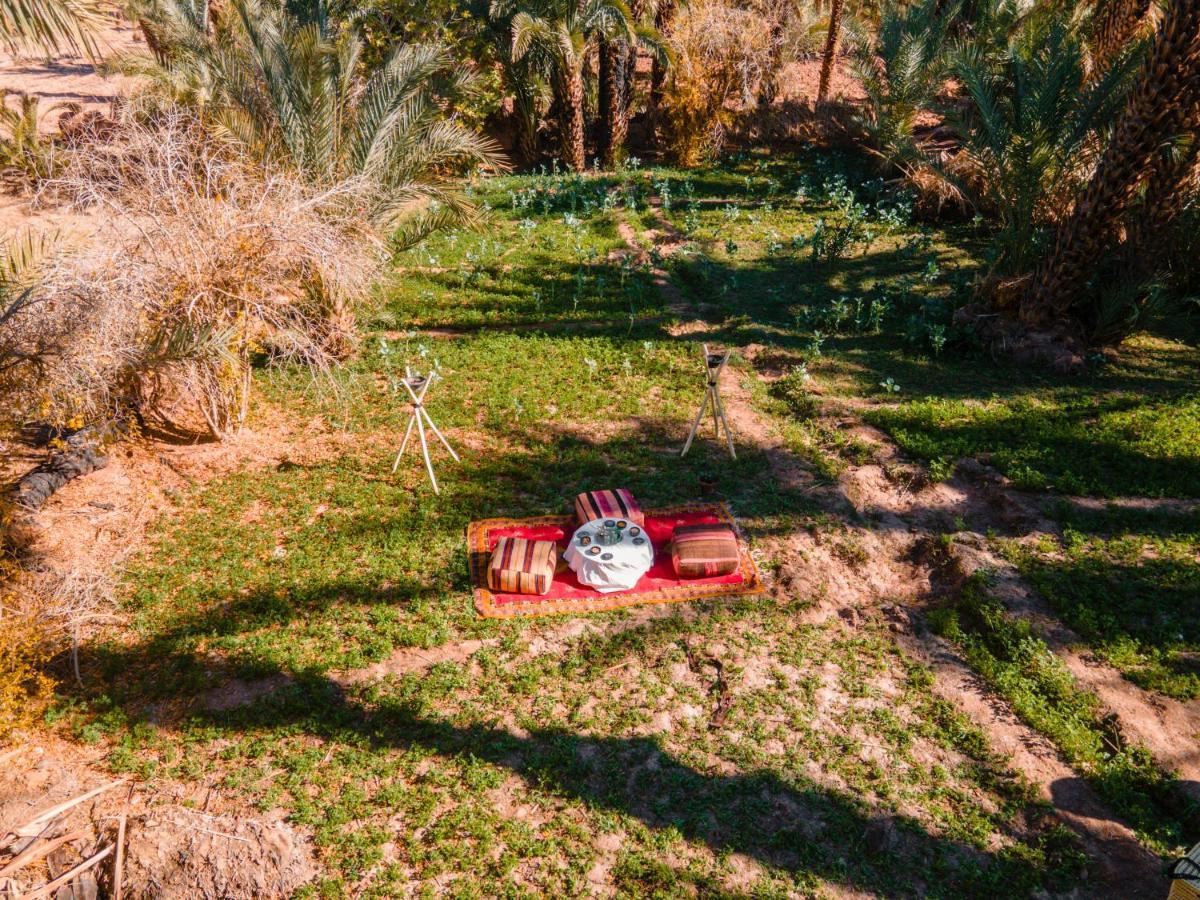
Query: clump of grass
1021	668
793	389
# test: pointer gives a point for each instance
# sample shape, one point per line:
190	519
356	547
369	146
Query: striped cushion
704	551
618	504
521	566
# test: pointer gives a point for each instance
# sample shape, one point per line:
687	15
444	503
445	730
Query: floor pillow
704	551
521	566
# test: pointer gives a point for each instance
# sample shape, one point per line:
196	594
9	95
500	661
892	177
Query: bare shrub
212	261
721	54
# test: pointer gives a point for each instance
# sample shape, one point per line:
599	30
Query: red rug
659	585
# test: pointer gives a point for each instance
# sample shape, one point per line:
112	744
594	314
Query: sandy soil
63	79
68	78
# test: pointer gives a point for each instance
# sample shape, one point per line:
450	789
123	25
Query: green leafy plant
1031	132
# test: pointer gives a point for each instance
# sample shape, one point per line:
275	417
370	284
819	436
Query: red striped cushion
704	551
618	504
522	566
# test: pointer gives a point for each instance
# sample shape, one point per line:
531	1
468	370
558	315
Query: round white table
616	567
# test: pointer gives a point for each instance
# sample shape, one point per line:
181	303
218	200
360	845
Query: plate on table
635	531
606	557
585	539
595	551
637	541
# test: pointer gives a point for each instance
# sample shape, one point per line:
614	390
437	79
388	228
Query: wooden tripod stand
714	364
417	386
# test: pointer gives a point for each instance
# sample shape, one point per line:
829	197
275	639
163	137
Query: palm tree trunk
525	110
1115	26
572	120
604	88
1173	183
613	105
658	71
1156	111
637	12
833	40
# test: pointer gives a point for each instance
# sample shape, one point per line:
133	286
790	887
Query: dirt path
69	78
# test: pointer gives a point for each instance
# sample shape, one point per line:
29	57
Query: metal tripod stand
714	364
417	386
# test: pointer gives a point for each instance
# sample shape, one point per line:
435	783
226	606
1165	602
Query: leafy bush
793	390
901	65
720	53
25	154
1031	132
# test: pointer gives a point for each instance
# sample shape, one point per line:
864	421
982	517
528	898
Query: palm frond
49	25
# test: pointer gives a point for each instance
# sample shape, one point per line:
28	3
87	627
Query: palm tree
1172	185
618	61
901	66
833	39
1031	132
565	32
1115	23
48	25
286	84
1158	110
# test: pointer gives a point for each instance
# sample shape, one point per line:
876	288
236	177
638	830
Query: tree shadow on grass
1146	612
794	826
1068	450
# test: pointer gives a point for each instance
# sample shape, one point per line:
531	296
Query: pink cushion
617	504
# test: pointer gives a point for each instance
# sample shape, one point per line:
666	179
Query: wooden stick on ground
119	862
35	852
34	827
49	888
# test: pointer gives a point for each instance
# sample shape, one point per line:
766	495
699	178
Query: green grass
1021	668
508	770
1098	439
536	774
1129	583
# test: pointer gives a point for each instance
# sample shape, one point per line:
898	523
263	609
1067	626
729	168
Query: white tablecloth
614	568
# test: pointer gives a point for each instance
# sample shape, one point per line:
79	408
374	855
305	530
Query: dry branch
35	826
34	852
118	864
65	878
37	486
